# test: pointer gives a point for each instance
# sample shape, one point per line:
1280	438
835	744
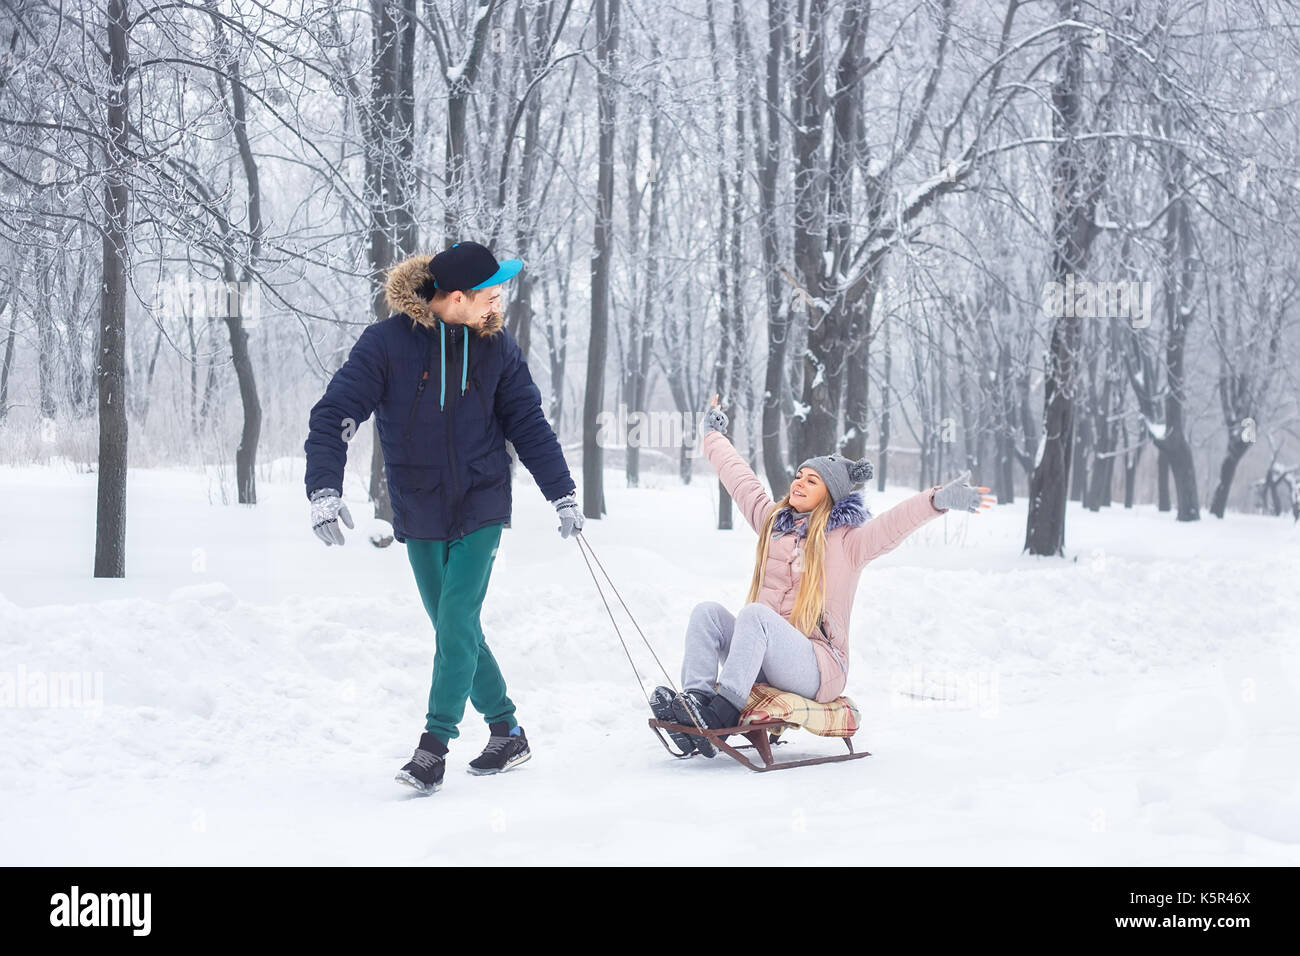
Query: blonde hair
810	600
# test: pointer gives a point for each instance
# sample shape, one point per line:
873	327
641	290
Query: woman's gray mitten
959	495
326	508
715	420
570	515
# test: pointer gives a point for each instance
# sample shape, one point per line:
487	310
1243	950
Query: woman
793	632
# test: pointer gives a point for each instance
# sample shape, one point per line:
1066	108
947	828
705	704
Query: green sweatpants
453	577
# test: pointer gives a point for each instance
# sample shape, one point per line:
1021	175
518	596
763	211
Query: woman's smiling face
807	490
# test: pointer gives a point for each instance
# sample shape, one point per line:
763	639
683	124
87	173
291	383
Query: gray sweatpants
756	645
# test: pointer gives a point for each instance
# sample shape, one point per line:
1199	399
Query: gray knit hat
842	475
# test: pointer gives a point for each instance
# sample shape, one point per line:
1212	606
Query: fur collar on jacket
404	278
849	510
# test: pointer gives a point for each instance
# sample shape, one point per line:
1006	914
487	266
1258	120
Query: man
448	472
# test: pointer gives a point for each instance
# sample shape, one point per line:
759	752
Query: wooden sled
762	729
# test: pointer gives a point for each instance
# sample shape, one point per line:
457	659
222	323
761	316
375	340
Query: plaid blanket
839	718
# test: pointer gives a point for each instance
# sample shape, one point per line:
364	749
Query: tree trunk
110	370
1097	494
1075	199
1006	415
822	355
725	383
882	469
857	385
1227	469
238	280
390	179
848	147
778	316
1162	479
1178	316
8	364
1084	447
969	435
557	337
46	341
638	421
146	398
593	491
1131	459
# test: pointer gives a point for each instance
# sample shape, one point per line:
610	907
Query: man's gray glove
960	495
570	515
326	508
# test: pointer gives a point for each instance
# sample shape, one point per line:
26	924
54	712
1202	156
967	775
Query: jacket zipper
451	450
836	653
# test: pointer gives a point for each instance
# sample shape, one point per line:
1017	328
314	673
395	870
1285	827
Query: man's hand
326	508
959	494
570	515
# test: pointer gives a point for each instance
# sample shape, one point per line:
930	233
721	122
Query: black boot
712	711
427	766
503	750
661	705
724	712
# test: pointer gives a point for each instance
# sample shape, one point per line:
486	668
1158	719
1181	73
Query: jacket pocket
824	636
420	384
490	470
402	478
415	493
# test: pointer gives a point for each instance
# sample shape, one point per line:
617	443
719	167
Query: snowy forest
1051	245
1052	242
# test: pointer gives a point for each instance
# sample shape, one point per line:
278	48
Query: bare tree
110	371
593	490
1076	181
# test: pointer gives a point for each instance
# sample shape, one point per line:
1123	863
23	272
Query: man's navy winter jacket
442	417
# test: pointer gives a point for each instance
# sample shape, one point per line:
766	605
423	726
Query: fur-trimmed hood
404	278
401	291
849	511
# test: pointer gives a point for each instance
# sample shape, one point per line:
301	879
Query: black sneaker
427	765
503	752
661	705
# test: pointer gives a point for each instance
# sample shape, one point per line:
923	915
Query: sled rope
585	547
582	546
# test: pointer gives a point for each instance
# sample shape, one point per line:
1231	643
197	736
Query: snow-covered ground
249	693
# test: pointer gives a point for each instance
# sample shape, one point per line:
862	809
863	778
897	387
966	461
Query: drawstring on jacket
442	363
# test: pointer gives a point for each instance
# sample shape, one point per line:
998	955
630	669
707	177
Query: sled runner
769	713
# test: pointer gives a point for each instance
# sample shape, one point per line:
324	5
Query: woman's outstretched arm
740	481
885	532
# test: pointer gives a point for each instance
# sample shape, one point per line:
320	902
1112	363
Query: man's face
473	308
